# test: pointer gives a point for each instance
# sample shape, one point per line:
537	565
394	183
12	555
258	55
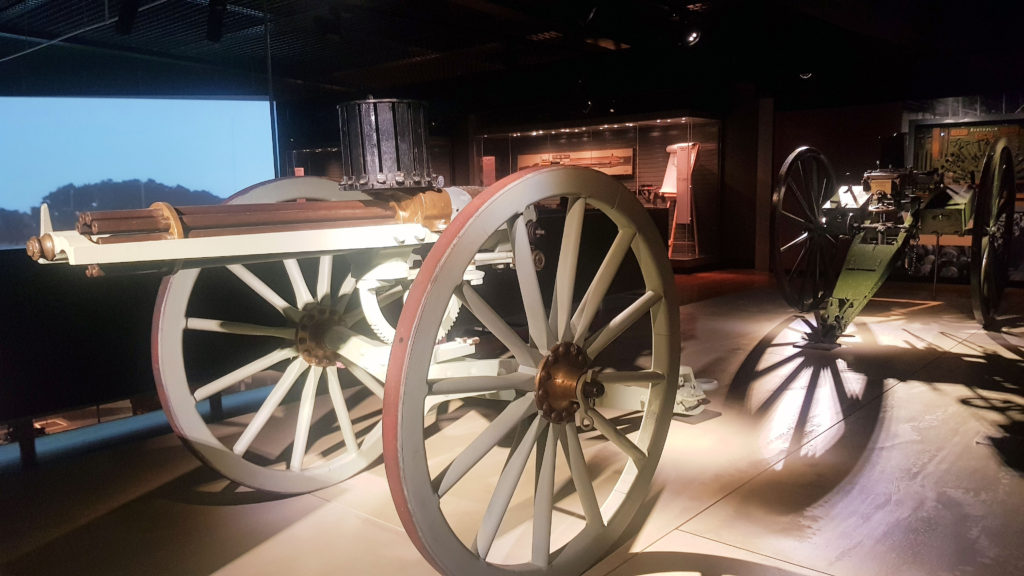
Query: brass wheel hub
559	375
314	324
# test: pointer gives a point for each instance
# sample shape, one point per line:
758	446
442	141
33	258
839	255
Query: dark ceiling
536	59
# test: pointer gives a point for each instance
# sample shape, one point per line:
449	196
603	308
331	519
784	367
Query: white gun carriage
375	307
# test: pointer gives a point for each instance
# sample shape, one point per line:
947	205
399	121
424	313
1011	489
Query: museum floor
900	453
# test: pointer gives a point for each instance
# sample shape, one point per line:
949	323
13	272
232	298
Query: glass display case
671	163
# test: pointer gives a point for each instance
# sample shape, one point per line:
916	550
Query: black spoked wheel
992	233
803	254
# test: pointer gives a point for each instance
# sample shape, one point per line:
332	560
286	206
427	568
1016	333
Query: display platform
899	453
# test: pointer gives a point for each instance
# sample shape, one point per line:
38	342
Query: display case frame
646	142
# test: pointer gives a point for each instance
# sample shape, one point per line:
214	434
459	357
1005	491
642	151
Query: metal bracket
690	397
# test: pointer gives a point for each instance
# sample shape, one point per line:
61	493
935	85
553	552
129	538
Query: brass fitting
316	321
431	209
41	247
172	217
558	375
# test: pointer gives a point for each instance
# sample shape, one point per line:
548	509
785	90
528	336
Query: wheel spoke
302	295
323	279
605	427
568	259
621	323
807	188
365	378
497	326
794	217
506	487
264	291
810	179
595	293
341	410
580	474
514	413
305	417
796	192
818	189
284	384
529	286
482	384
236	376
241	328
543	502
797	262
348	285
801	238
825	187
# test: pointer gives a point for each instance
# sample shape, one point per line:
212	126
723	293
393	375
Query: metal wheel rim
805	183
417	502
181	407
992	234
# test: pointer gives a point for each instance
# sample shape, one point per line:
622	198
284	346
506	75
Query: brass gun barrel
150	220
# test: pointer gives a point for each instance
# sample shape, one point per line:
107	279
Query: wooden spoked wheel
803	254
992	233
526	490
299	419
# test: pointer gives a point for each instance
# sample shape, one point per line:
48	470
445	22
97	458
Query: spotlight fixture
692	37
215	20
126	17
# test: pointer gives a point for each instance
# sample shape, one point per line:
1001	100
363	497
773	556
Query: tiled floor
900	453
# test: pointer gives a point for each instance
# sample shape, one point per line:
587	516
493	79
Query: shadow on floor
1002	377
663	563
799	394
803	396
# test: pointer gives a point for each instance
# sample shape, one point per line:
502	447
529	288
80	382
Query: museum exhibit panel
493	288
957	147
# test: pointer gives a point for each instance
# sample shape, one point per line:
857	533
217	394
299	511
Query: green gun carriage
832	246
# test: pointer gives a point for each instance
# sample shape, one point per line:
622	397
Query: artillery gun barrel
431	210
192	218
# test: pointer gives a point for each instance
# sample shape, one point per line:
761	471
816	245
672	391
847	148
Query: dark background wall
67	341
739	180
851	137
